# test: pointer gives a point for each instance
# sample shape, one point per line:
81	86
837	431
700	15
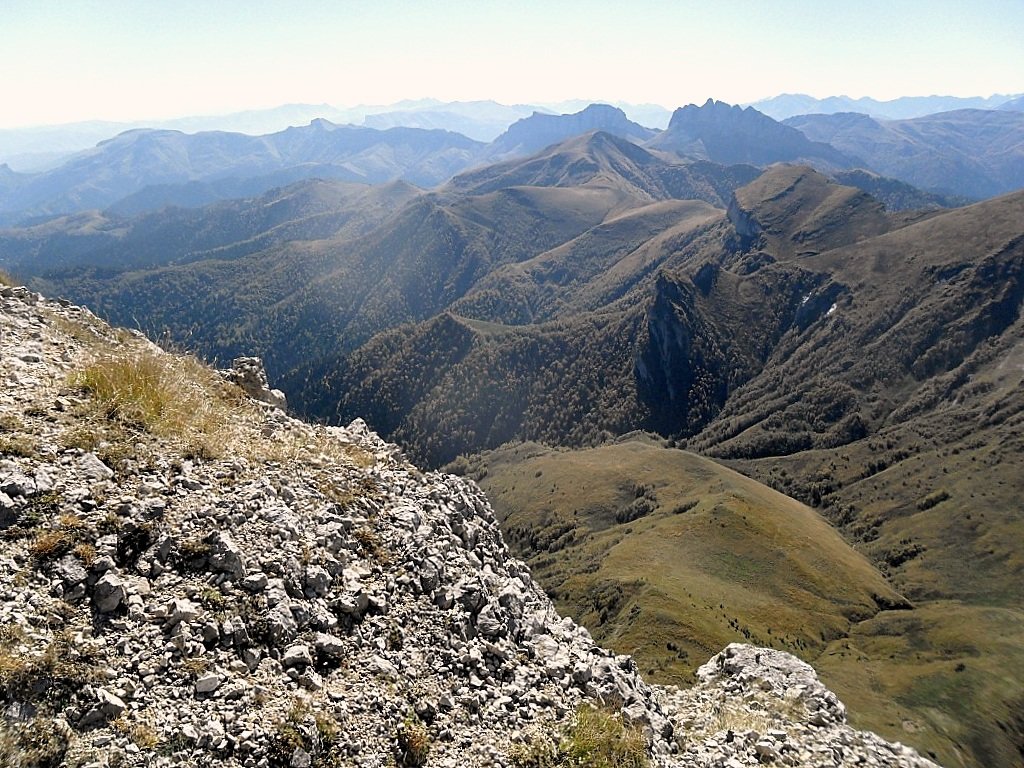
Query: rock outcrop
299	595
249	374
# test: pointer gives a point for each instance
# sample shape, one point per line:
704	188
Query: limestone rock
249	374
226	556
109	593
296	656
208	683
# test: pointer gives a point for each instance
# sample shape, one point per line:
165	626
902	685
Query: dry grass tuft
315	446
10	423
18	445
141	734
47	678
194	666
176	397
85	552
739	719
168	396
314	732
36	743
57	542
6	279
413	744
601	739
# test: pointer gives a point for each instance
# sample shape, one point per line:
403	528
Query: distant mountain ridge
971	152
137	159
792	104
1015	105
36	148
32	149
479	120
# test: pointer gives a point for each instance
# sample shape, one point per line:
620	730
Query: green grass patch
746	564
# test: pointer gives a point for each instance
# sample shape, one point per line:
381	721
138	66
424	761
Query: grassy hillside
665	554
653	547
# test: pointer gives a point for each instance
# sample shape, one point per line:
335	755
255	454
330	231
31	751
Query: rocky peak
730	134
322	124
221	584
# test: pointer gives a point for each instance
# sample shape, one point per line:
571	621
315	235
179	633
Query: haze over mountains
42	147
135	160
775	297
792	104
970	154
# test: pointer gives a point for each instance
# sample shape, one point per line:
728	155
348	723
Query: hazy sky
143	59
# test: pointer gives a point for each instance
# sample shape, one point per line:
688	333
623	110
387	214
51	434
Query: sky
132	60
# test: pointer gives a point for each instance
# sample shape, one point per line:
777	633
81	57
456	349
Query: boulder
109	593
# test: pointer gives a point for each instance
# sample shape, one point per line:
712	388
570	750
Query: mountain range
973	153
969	154
39	148
136	161
606	331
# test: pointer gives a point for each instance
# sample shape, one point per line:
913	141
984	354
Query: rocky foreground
218	584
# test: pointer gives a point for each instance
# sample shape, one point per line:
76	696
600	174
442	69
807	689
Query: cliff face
191	577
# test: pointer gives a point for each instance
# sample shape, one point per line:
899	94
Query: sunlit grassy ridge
669	556
717	557
133	388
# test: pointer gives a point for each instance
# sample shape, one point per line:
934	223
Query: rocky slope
191	577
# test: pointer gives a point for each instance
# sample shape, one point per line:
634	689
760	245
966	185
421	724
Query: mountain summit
539	130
